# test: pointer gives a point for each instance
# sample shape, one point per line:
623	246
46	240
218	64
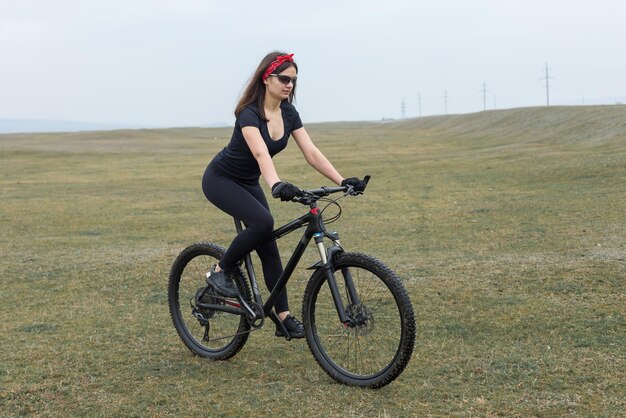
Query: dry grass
508	228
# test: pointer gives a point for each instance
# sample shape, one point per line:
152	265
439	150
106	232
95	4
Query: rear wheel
206	332
376	344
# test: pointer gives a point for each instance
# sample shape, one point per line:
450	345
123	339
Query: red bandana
277	63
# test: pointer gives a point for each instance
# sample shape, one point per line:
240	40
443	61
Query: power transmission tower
445	101
547	78
403	109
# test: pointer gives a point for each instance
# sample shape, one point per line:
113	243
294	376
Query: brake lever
302	198
351	192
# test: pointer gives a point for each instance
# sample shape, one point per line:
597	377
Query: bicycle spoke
206	331
371	350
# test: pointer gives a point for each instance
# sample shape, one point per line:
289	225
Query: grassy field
507	227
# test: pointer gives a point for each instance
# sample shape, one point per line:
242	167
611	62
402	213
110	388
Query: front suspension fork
326	265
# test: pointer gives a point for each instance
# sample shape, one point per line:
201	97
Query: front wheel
376	344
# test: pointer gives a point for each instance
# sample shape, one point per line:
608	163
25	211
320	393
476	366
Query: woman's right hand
285	191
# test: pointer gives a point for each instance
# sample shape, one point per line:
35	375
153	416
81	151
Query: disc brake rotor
362	318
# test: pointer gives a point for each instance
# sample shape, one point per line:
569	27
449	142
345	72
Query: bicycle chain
258	309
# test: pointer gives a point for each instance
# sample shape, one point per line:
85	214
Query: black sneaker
295	328
222	283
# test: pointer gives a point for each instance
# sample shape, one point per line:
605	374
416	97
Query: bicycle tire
227	332
375	352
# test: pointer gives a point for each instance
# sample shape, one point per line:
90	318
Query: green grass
507	227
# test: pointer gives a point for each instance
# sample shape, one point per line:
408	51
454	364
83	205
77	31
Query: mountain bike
358	319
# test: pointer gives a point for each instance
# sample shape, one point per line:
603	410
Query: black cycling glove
286	191
356	183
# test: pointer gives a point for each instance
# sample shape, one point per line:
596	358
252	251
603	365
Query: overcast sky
185	62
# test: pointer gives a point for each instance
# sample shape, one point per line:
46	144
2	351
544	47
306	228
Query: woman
265	118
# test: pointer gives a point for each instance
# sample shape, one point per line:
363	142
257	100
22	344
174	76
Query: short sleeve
296	122
249	117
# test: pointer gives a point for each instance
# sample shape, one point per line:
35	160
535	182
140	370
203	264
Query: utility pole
484	96
419	103
403	109
547	78
445	101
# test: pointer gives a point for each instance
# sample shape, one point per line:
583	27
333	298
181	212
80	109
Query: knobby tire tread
396	287
188	254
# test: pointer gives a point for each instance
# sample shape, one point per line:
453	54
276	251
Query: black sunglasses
285	79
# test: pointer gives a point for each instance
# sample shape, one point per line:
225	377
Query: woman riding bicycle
265	118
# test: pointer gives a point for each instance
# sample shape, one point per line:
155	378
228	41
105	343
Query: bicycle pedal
284	334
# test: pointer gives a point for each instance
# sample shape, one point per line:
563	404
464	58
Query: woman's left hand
356	183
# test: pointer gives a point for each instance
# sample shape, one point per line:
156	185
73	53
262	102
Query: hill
589	125
36	125
575	124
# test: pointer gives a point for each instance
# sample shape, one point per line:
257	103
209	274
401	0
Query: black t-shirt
236	159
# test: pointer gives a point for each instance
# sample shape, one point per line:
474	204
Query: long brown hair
255	90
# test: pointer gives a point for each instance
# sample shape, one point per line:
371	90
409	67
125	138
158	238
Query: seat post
238	225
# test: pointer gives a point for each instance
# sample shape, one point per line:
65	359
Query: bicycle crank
258	319
252	311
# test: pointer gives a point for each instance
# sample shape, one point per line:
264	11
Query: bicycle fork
326	263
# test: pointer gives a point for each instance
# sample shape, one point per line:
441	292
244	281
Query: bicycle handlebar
325	191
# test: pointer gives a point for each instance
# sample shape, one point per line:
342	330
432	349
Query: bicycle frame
315	230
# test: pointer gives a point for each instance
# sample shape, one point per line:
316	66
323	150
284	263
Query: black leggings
247	202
